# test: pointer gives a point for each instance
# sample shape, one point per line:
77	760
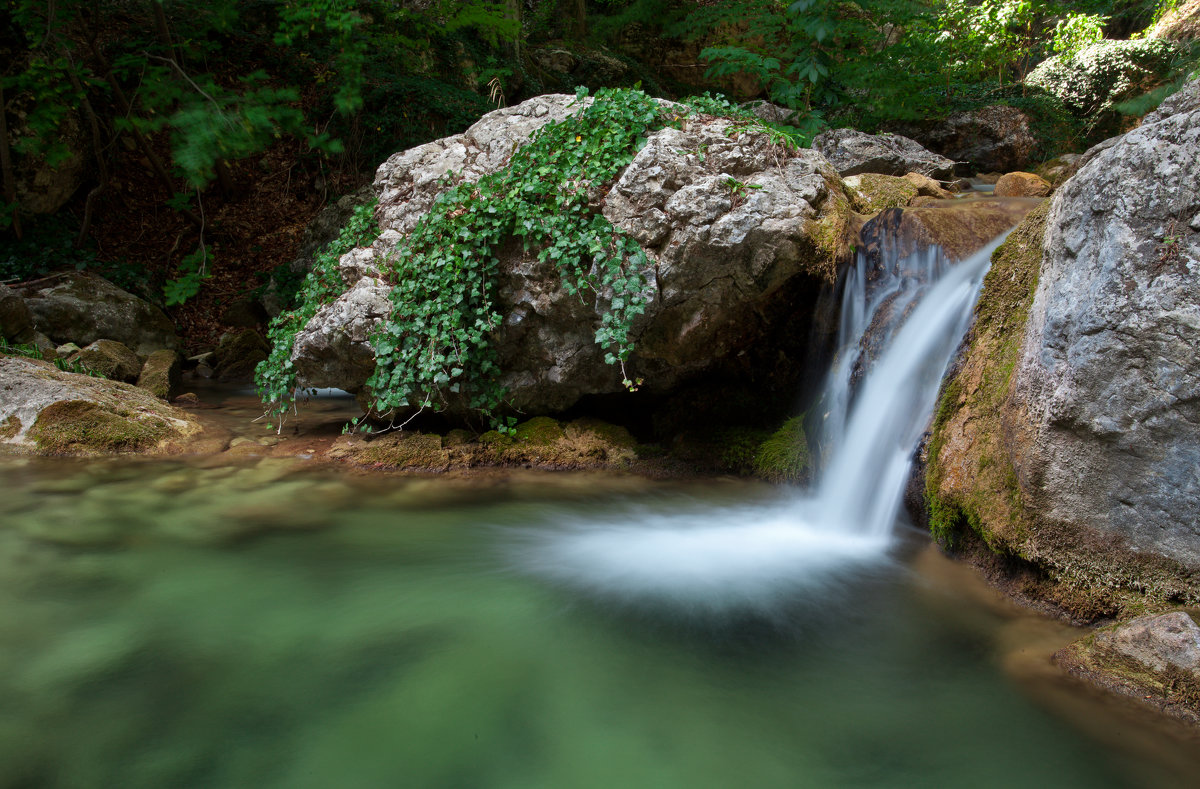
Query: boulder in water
1020	184
1070	436
995	137
1155	658
733	225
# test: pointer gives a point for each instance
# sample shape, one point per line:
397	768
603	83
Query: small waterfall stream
902	319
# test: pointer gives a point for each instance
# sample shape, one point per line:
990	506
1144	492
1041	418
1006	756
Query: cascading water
901	321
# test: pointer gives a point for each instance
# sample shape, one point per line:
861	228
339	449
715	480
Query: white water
761	558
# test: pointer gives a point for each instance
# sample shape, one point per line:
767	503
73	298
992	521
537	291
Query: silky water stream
265	621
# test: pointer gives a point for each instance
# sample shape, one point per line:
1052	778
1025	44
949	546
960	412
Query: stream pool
276	622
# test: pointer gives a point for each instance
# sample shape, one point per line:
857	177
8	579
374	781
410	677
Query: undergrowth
31	351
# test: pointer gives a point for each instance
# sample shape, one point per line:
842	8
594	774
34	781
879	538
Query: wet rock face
853	152
729	222
1107	394
82	308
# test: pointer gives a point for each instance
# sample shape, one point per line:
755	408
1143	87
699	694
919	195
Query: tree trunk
6	167
578	20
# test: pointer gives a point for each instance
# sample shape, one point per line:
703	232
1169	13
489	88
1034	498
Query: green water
262	625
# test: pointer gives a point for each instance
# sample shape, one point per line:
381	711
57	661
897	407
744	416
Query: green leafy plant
1077	31
30	351
276	376
436	345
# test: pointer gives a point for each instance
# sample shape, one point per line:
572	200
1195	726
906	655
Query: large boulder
730	223
46	410
852	152
81	308
1071	434
110	359
992	138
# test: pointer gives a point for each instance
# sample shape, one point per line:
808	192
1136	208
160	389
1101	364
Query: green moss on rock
405	450
74	427
874	192
540	430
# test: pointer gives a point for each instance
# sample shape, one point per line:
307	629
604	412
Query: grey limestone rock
1156	642
853	152
1107	391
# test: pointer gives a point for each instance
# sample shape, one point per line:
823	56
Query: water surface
273	623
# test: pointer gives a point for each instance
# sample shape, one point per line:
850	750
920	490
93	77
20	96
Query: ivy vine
276	376
436	346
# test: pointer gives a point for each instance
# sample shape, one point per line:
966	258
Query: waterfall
914	312
902	319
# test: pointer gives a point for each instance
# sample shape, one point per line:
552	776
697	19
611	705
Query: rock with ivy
569	247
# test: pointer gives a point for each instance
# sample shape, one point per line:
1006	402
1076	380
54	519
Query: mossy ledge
975	502
74	427
588	443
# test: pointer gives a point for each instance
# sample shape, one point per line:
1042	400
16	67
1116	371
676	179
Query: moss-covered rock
541	430
874	192
405	450
1020	184
540	442
61	413
110	359
80	427
161	375
1155	659
970	482
1098	77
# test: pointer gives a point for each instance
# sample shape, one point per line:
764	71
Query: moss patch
874	192
405	450
9	427
541	442
541	430
80	427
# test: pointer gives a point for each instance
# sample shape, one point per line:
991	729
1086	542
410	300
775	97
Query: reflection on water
262	624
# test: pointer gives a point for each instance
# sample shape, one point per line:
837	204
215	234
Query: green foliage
276	377
436	344
1077	31
193	270
31	351
1097	77
784	456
